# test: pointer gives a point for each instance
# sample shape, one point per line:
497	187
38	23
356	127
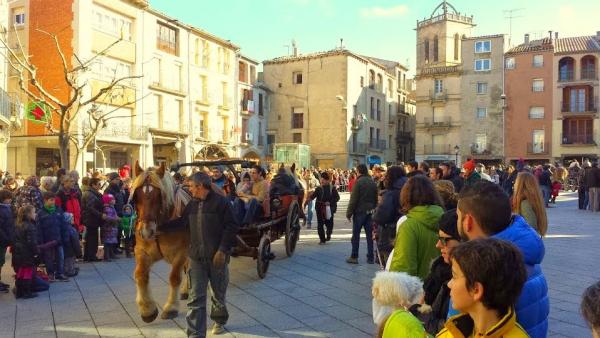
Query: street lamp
456	151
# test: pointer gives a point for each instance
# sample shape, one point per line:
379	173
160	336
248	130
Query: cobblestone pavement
312	294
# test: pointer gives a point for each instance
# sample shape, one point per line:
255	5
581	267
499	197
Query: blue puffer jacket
533	305
52	227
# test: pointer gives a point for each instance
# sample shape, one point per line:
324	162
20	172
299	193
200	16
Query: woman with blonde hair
528	202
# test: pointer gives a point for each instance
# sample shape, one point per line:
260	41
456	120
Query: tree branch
106	89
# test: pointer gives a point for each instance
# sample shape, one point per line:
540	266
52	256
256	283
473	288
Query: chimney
526	38
550	33
555	35
294	48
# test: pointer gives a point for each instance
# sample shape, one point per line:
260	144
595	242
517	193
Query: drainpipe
190	102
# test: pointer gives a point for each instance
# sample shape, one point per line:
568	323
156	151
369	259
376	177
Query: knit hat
448	223
469	165
107	198
125	212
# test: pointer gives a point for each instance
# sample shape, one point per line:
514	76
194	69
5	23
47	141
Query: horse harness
147	187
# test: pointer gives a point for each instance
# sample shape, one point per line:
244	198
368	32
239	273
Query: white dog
394	290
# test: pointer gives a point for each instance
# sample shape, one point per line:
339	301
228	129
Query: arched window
426	50
588	67
566	69
371	79
456	46
435	49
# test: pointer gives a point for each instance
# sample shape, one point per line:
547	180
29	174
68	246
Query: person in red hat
471	176
125	171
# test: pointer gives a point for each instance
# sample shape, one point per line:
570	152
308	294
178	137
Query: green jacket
415	242
529	215
363	197
402	323
472	179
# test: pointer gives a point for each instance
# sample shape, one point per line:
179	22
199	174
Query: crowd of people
460	248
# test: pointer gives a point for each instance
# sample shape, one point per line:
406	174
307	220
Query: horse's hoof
169	314
184	296
150	318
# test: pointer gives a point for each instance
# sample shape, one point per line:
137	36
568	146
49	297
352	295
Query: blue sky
379	28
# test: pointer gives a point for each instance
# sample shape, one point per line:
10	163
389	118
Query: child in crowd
53	235
127	228
487	278
72	247
398	290
7	229
556	186
25	251
110	228
590	308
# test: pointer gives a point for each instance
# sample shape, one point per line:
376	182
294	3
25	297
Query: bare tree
67	111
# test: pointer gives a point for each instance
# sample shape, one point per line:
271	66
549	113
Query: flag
38	112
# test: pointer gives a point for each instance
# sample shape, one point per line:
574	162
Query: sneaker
218	328
352	260
61	278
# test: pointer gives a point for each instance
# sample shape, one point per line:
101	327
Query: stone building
481	106
405	134
529	104
439	92
342	104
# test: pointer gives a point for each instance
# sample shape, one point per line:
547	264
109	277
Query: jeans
546	191
201	273
54	258
310	205
360	221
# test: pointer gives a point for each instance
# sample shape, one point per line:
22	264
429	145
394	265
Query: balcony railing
541	148
438	96
401	108
582	139
440	122
481	149
377	144
9	105
432	149
359	148
566	75
124	130
403	136
588	74
356	123
580	107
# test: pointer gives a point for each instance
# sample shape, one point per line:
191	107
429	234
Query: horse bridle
147	187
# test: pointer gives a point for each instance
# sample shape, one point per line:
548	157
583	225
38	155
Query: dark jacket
363	197
214	230
545	178
592	178
92	208
71	246
7	225
25	248
472	179
326	193
388	211
52	227
455	178
119	195
509	183
70	202
437	295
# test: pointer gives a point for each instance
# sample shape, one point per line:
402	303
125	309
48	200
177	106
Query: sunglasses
444	240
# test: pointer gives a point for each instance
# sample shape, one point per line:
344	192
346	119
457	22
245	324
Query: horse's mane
166	185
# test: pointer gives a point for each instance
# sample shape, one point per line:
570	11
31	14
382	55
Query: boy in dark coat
7	228
25	251
53	229
327	196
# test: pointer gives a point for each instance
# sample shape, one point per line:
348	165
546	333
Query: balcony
566	76
124	130
247	107
481	149
403	136
579	108
359	148
541	148
440	122
434	149
9	105
588	74
375	144
356	124
438	96
402	108
577	140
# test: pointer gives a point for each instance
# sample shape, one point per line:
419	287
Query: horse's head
153	200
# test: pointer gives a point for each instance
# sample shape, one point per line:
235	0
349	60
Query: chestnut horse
157	200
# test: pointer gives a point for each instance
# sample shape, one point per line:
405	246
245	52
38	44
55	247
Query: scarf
51	209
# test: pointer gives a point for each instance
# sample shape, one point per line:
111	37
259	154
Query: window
456	46
435	49
297	77
297	118
226	60
372	108
372	79
111	23
225	98
297	137
19	14
509	63
378	110
362	81
483	46
203	88
536	112
538	61
166	39
197	51
426	50
379	83
108	69
205	54
390	88
538	85
482	87
538	141
371	136
260	104
438	86
482	65
252	74
155	75
481	113
243	72
480	143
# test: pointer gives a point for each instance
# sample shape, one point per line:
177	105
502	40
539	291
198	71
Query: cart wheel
292	228
264	256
